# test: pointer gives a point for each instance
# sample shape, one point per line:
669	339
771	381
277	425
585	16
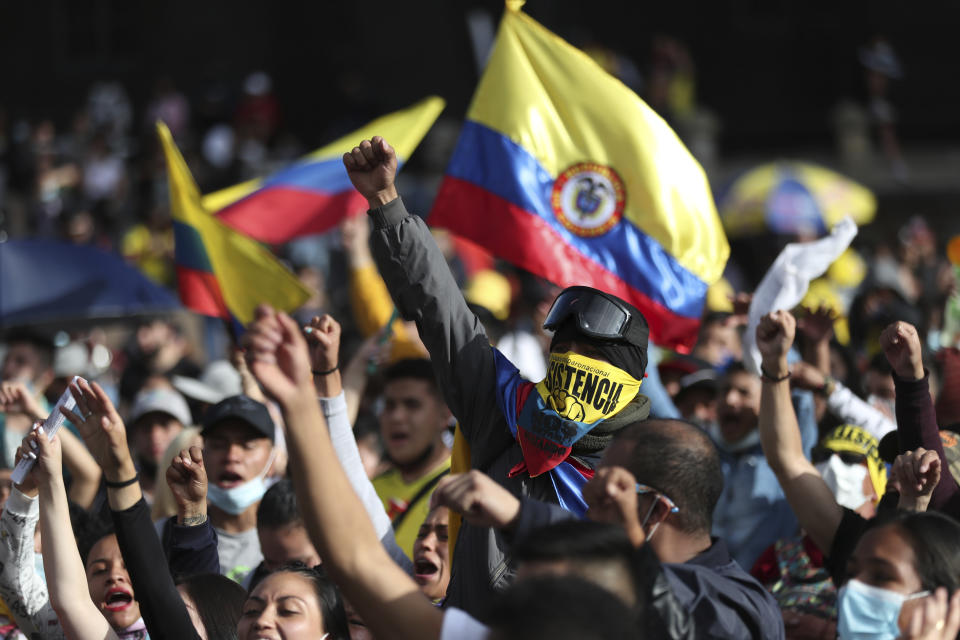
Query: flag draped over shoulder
220	272
564	171
314	194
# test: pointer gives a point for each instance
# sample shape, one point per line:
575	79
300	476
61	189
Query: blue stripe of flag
328	176
189	249
493	162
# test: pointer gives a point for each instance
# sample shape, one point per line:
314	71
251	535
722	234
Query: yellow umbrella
792	198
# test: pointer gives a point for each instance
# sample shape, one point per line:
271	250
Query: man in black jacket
538	439
661	480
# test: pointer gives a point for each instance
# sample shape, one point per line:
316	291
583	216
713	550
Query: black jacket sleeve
535	514
917	427
423	290
161	606
190	550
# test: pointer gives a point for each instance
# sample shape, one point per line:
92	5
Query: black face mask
621	354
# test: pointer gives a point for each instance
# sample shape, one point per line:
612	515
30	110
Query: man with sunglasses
535	438
661	480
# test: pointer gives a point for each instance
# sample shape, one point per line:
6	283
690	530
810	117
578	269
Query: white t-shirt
458	625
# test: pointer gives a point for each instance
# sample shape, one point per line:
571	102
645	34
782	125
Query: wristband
324	373
121	485
764	374
192	521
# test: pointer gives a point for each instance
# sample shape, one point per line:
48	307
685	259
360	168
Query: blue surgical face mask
867	612
236	500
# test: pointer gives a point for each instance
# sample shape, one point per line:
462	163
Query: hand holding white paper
50	426
787	281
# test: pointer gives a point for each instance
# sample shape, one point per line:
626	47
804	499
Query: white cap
72	359
218	381
160	400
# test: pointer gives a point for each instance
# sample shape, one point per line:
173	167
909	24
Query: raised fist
323	341
775	335
901	344
372	167
187	478
277	355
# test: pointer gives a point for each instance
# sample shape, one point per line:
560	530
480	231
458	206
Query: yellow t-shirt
396	494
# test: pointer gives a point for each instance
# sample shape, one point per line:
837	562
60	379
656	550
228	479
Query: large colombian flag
314	194
220	272
564	171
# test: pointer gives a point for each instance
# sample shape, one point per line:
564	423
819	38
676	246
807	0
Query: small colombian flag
220	272
314	194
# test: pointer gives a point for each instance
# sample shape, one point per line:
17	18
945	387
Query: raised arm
104	433
369	299
323	341
190	542
84	472
339	527
916	419
24	592
841	401
809	496
423	290
66	577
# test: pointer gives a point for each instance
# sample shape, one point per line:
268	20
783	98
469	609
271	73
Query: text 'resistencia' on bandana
577	394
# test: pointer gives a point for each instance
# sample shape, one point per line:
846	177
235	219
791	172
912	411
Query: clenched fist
187	479
775	335
901	344
372	167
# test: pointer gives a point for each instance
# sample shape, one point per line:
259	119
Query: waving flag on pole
220	272
564	171
314	194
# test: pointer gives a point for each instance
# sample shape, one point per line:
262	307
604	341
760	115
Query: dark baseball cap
242	408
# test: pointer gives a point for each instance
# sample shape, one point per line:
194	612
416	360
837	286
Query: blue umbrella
48	281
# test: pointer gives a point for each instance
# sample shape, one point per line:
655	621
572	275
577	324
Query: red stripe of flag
200	291
528	241
278	214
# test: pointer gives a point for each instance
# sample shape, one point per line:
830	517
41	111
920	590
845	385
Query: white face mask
845	481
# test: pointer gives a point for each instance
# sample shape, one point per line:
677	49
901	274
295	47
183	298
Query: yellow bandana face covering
585	390
577	394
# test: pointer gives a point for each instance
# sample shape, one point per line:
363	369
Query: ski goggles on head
599	315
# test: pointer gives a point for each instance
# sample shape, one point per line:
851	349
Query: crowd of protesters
379	465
